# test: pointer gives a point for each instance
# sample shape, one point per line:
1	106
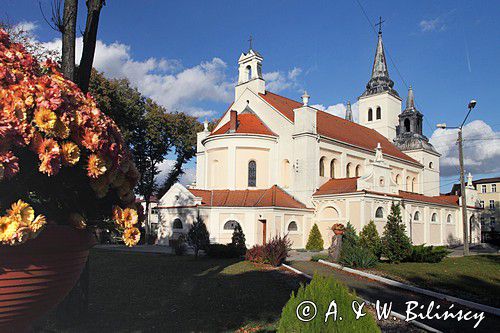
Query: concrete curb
393	313
470	304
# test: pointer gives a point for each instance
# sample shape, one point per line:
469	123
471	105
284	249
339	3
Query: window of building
481	204
370	114
407	125
292	226
177	224
448	219
431	165
154	211
381	181
483	189
416	217
379	113
492	204
249	72
348	170
230	225
358	171
493	188
322	166
413	185
379	213
332	168
252	174
434	217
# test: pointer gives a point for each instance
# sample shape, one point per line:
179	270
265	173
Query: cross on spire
250	40
379	24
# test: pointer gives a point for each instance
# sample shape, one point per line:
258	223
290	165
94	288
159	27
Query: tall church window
332	168
370	114
408	184
434	217
230	225
379	213
358	171
348	170
177	224
249	72
252	174
322	167
413	184
407	125
379	113
416	217
292	226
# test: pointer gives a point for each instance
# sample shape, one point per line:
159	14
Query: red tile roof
338	128
248	123
349	185
271	197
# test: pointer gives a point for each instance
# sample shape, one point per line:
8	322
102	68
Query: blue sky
447	50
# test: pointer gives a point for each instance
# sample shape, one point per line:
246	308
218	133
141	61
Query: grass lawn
476	278
144	292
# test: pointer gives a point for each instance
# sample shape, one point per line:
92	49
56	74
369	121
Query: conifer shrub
431	254
320	256
322	291
396	246
369	238
198	237
238	240
350	237
315	241
357	256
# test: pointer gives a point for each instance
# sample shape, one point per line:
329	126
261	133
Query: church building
274	166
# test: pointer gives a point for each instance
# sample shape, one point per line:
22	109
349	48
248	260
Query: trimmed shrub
357	256
422	253
198	237
396	246
369	238
315	241
320	256
322	291
350	236
238	240
276	250
223	251
255	254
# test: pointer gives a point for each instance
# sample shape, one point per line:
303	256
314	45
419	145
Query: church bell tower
250	73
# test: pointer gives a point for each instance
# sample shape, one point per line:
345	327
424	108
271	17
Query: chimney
233	121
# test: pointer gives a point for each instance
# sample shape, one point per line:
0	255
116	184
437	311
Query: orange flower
96	166
129	218
47	146
131	236
90	140
38	223
8	229
70	153
117	215
61	130
77	221
2	171
45	119
51	163
21	211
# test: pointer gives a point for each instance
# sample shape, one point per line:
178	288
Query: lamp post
471	105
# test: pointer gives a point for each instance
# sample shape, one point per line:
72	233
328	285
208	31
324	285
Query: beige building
278	166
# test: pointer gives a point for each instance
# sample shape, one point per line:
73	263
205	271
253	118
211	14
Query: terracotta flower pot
338	232
37	275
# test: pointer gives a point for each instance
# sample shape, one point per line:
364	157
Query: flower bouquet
64	170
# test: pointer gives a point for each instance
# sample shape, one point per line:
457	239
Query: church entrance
264	230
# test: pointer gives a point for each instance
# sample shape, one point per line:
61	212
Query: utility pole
465	224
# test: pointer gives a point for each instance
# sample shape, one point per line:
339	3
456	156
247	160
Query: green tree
370	239
350	237
238	240
198	237
396	246
315	241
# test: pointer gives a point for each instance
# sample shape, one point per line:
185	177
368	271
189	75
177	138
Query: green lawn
476	278
144	292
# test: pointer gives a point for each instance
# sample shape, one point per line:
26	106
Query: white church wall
390	109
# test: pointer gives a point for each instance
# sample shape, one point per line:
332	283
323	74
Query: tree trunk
89	41
68	39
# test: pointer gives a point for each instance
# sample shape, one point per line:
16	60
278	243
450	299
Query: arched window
448	219
408	184
398	180
413	184
322	166
379	213
249	72
252	174
431	165
416	217
434	217
292	226
332	168
407	125
348	170
357	171
381	181
379	113
230	225
177	224
285	174
370	114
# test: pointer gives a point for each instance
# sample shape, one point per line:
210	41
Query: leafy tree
198	237
396	245
238	240
350	237
370	239
315	241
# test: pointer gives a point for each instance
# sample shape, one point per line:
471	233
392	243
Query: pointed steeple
380	80
348	112
410	101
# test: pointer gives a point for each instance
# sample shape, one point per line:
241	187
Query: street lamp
470	106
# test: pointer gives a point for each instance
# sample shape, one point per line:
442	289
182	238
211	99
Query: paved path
154	249
475	250
372	291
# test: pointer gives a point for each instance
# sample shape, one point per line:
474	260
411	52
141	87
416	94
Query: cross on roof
379	24
250	40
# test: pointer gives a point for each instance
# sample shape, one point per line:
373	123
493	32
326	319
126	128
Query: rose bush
61	159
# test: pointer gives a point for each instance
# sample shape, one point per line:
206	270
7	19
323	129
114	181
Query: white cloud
432	25
278	81
25	26
339	109
481	149
187	178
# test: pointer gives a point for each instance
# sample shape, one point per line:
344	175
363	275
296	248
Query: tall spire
410	101
348	112
380	80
